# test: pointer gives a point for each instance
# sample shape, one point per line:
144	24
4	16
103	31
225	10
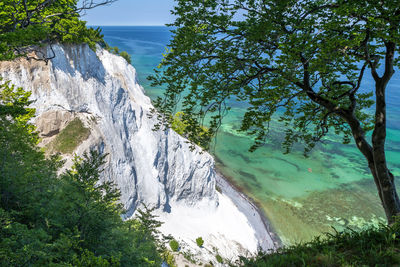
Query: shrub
199	241
219	258
127	57
179	124
115	51
169	259
174	245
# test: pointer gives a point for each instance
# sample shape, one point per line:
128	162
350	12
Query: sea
302	197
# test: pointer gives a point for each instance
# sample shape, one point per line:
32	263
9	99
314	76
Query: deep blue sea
302	197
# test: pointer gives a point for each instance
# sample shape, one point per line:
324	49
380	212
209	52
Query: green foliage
70	137
200	241
124	54
219	258
28	24
61	220
371	247
11	43
13	102
174	245
127	57
304	58
169	259
89	259
301	62
148	236
180	123
75	31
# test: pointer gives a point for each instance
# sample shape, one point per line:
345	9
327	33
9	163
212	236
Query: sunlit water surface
302	197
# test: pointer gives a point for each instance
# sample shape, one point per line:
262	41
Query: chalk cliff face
156	168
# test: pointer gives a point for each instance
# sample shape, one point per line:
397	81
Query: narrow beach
268	239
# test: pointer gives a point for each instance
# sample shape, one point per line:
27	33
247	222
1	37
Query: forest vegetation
46	218
61	220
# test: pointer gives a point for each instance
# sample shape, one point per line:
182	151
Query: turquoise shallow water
301	196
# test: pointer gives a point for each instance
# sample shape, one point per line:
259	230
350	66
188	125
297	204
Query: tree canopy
302	61
27	23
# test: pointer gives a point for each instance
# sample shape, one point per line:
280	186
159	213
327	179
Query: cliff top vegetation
26	24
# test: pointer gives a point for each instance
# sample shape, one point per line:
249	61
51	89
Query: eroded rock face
156	168
150	167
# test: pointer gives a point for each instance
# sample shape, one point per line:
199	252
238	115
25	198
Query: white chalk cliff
156	168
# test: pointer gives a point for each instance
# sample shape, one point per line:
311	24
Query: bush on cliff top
200	241
179	124
174	245
115	51
24	24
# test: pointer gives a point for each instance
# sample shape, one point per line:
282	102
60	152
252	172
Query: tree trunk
387	192
386	187
375	155
383	178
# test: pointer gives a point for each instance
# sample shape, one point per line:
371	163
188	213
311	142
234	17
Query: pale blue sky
132	12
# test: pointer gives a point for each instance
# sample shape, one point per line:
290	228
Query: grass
371	247
70	137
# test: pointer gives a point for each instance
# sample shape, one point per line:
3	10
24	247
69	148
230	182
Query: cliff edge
156	168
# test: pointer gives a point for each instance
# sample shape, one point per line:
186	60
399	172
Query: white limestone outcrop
156	168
